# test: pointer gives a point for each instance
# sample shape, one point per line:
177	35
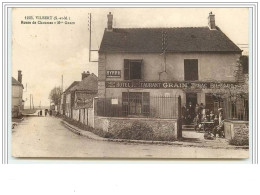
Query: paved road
47	137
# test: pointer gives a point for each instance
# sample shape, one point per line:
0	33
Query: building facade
137	64
79	97
17	95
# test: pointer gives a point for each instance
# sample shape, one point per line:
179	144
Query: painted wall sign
113	73
170	85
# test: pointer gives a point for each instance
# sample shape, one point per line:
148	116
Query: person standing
220	128
184	114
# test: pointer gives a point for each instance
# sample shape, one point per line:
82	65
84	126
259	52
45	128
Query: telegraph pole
89	28
89	36
62	83
30	101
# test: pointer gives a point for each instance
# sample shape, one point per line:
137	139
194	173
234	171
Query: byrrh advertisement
135	83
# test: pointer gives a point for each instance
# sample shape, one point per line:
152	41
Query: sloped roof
149	40
89	83
72	85
15	82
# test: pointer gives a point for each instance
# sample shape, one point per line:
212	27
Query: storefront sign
113	73
170	85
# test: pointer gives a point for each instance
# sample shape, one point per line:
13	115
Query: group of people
189	112
216	127
46	111
199	114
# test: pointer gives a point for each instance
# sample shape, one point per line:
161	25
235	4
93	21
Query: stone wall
236	129
161	127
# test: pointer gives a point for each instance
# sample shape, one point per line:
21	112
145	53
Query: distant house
65	104
79	98
17	95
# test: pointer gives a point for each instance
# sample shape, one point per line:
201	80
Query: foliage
138	131
241	137
237	91
55	95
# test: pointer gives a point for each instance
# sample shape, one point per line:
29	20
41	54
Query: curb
93	136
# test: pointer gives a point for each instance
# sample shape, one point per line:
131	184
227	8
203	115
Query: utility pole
89	24
62	83
30	101
89	28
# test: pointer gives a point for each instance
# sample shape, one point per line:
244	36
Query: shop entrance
191	101
191	98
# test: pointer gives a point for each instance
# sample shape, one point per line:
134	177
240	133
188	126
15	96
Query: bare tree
55	95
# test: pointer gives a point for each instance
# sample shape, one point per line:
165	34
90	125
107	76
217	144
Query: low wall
236	128
84	115
160	127
75	115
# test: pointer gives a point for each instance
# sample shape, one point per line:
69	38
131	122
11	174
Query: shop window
191	70
213	102
136	103
133	69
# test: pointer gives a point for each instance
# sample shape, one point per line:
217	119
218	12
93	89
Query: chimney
109	22
20	76
211	21
85	74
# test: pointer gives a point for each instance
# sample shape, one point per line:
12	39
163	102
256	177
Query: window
136	103
191	70
133	69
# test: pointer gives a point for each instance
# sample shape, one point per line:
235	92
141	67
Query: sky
45	52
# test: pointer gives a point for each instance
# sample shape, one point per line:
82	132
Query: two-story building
137	64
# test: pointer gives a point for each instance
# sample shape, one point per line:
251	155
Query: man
184	113
219	129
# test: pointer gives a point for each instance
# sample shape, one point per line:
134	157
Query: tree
239	90
55	95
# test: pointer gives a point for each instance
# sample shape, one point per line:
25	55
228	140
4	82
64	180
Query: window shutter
146	104
126	69
142	69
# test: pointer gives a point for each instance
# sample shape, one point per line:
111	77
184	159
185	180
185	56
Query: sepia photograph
130	83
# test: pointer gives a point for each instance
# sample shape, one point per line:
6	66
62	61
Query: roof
72	85
149	40
89	83
15	82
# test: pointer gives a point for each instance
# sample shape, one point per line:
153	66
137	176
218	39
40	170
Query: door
191	98
191	101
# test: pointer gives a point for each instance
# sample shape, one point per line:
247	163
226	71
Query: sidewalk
185	142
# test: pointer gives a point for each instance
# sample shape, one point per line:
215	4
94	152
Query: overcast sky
45	52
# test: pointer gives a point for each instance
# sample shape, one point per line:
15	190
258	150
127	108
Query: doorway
191	101
191	98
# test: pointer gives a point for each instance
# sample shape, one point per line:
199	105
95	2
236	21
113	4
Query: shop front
159	99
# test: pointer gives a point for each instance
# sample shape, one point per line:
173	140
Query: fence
237	110
138	105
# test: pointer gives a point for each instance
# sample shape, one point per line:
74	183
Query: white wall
17	95
208	65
